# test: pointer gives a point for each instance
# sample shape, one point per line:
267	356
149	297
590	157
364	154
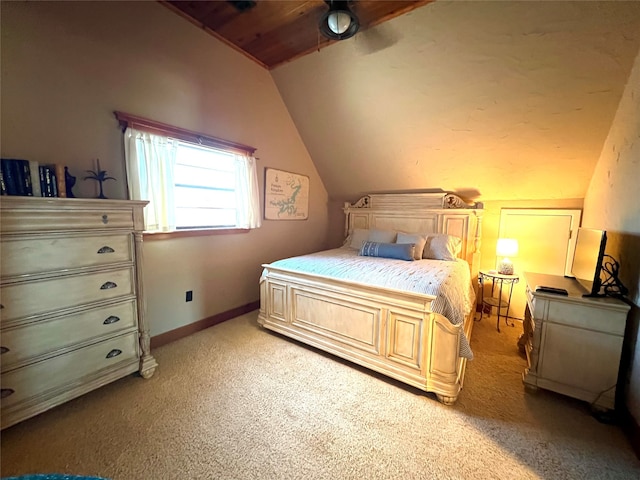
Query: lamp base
505	267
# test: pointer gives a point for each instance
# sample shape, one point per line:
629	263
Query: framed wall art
286	195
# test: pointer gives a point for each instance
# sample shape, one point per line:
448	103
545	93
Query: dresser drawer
48	377
612	322
59	219
45	336
21	300
37	254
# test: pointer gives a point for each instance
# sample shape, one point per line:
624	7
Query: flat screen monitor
587	259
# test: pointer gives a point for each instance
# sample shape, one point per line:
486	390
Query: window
192	181
205	187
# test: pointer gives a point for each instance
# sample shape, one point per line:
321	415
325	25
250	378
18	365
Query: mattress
449	282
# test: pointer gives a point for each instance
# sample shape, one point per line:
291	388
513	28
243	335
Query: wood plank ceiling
273	32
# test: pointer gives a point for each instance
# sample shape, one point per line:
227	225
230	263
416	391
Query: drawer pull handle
106	249
108	285
114	353
105	219
1	306
111	319
5	392
3	350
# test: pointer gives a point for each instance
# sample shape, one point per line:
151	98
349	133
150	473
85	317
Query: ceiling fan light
339	22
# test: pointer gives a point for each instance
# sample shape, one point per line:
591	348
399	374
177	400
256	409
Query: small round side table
498	281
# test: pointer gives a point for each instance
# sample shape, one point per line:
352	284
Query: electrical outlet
189	296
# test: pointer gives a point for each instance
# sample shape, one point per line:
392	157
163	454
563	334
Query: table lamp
507	247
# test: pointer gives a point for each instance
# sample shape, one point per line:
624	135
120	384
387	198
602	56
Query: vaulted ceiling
494	100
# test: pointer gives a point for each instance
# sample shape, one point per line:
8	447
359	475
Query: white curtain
247	193
150	162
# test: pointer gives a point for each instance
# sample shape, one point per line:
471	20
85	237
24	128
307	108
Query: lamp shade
507	247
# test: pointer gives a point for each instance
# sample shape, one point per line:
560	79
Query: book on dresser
73	316
28	178
16	176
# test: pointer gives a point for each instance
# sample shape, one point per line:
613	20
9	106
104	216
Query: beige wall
67	66
611	203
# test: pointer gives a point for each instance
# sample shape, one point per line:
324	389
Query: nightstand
573	343
498	283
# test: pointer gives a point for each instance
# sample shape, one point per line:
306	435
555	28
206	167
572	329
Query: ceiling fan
335	20
339	23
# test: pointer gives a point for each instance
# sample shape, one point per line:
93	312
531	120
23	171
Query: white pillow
441	246
418	240
382	236
358	237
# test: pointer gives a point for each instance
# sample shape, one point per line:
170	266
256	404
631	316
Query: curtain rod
127	120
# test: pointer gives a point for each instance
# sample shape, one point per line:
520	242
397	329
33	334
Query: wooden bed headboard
421	213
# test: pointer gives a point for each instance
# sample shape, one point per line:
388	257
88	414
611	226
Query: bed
386	319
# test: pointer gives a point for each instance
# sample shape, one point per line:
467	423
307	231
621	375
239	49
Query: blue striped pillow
398	251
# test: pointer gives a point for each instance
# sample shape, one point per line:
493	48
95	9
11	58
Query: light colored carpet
238	402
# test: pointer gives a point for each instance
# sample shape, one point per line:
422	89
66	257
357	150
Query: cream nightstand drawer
586	317
48	377
21	300
19	344
32	254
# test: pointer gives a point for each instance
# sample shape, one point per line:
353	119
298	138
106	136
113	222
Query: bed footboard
389	331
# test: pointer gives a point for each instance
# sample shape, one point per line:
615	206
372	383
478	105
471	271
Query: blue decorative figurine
69	181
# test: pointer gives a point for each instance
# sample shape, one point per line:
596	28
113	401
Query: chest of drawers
72	314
